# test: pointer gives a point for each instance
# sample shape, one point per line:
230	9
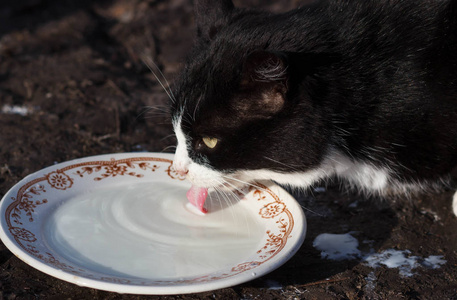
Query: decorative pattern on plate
23	209
26	204
115	168
59	180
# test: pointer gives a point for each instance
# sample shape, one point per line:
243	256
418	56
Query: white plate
119	222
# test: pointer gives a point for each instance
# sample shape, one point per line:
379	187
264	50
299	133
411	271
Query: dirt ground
73	84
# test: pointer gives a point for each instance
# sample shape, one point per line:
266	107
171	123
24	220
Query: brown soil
76	67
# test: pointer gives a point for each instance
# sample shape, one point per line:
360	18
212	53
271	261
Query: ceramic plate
120	223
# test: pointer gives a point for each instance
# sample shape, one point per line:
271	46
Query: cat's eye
210	142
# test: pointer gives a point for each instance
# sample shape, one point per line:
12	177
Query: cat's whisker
236	196
311	211
168	148
223	183
157	116
231	194
168	91
168	136
216	198
281	163
196	107
228	184
234	199
220	193
162	108
245	183
191	117
164	111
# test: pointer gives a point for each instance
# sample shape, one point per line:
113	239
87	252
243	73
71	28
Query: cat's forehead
205	101
208	115
205	80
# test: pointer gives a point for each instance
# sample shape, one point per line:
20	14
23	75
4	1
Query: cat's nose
180	169
182	172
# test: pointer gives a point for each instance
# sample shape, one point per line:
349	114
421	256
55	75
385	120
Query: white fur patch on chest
361	174
357	173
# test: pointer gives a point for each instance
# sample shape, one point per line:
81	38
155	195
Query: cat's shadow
329	210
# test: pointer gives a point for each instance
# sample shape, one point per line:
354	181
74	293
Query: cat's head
242	110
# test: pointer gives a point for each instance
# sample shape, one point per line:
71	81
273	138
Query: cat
361	90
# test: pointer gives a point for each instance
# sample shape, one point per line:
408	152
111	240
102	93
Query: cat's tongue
197	196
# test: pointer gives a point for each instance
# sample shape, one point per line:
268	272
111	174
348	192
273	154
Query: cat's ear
263	84
210	16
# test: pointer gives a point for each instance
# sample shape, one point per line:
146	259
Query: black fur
373	79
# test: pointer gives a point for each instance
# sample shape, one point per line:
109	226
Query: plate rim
261	270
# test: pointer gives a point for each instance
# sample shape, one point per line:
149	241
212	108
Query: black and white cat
362	90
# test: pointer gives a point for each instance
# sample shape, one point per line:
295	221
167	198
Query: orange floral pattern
271	210
246	266
26	205
23	234
59	180
116	168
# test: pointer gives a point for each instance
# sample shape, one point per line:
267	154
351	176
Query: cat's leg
454	203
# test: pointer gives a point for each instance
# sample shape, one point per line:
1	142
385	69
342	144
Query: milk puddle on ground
345	246
15	110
